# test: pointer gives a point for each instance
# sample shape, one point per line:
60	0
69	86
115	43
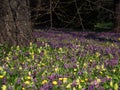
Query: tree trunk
117	16
15	24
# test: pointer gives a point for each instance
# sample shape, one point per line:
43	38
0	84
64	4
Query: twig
80	18
101	6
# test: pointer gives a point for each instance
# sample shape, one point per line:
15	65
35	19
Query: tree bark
15	24
117	16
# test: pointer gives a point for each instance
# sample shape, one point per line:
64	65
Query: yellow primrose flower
85	65
60	49
12	68
97	54
114	70
18	47
102	66
4	73
64	80
33	57
31	48
56	69
43	64
7	58
82	81
78	65
97	67
1	76
9	54
1	68
45	52
60	79
119	39
23	88
68	86
4	52
74	73
86	79
116	86
98	80
23	62
54	82
91	60
79	86
75	69
27	82
74	88
29	73
28	77
109	77
32	53
44	73
30	43
44	81
38	65
104	69
112	44
101	72
39	50
20	68
4	87
77	81
111	83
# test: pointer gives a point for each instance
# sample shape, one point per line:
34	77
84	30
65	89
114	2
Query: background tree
76	14
117	16
15	25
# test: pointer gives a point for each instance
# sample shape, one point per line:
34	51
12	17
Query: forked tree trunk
15	25
117	16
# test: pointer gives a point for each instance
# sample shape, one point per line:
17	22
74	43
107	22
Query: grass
62	61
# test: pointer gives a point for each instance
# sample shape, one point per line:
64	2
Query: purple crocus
80	73
15	57
113	62
18	81
74	84
46	87
4	80
52	77
91	87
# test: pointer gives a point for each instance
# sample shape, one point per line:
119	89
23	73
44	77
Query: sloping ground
63	61
90	42
105	47
63	38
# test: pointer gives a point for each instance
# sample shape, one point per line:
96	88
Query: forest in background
76	14
17	17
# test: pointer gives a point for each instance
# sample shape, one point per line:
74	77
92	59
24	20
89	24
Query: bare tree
51	14
15	25
117	16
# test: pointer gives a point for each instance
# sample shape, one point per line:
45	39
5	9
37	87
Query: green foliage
103	26
35	67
